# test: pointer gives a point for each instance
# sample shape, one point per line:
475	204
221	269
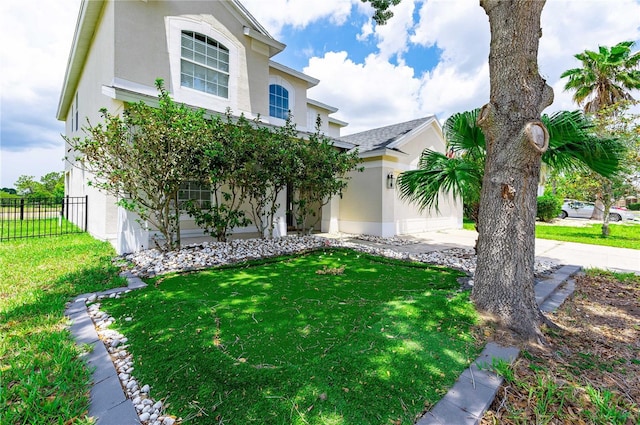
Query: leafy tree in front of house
268	163
603	86
223	167
143	157
320	174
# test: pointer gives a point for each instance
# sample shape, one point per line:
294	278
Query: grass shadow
277	342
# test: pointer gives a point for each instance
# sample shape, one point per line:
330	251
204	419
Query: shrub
549	207
634	207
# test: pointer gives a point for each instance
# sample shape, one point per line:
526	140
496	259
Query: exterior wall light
390	181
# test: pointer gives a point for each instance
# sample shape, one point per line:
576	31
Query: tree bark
516	139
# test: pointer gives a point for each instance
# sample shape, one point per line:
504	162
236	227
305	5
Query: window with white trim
204	64
199	193
278	101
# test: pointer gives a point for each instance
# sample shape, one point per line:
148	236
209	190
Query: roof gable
391	136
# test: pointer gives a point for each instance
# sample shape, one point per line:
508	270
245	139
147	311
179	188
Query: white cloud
393	37
370	94
376	93
459	28
33	55
275	14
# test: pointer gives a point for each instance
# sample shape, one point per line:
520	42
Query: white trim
88	16
338	122
401	141
275	46
318	104
174	26
311	82
382	152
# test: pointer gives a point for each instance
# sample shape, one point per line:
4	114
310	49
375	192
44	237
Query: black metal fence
42	217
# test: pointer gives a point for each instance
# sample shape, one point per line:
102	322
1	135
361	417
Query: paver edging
474	391
108	402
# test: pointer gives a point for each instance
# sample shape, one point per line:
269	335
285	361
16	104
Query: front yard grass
43	379
329	337
622	235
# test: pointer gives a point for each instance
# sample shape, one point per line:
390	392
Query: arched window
278	101
204	64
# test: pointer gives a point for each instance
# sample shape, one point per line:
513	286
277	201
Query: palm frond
462	134
574	145
438	174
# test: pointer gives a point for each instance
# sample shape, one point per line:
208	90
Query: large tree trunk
516	140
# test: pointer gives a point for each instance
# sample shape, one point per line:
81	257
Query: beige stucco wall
144	52
130	49
369	206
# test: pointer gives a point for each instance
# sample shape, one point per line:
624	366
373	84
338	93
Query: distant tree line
51	185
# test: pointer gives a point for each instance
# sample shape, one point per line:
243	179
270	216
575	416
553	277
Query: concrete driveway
587	256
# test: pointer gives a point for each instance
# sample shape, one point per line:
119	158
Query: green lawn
622	235
287	342
625	235
43	379
12	229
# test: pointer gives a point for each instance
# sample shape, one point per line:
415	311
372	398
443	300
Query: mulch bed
588	371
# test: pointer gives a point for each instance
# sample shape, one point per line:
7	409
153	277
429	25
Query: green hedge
634	207
549	207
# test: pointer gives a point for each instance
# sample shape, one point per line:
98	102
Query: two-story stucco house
215	55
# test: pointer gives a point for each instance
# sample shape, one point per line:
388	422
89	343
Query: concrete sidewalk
586	256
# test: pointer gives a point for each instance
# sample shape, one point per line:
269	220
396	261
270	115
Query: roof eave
88	17
311	82
338	122
402	139
275	46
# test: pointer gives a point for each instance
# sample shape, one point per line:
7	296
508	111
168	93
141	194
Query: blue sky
431	58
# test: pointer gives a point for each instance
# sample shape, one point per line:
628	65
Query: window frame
275	110
174	26
205	54
280	81
194	187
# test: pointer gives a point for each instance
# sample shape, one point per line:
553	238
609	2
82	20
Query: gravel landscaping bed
153	262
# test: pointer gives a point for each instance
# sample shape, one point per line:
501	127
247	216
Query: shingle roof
382	137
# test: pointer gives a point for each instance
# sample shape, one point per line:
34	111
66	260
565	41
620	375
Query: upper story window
278	101
204	64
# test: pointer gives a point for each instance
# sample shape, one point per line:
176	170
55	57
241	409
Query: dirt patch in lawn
589	369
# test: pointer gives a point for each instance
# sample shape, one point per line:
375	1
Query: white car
581	209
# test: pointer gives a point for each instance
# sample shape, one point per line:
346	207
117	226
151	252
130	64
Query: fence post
86	212
21	209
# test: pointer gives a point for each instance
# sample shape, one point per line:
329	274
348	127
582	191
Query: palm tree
603	82
573	145
605	78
